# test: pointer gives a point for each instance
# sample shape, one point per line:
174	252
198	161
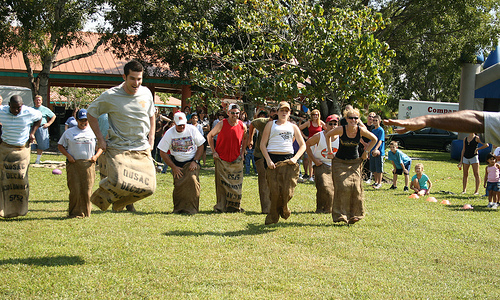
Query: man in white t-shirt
185	143
322	165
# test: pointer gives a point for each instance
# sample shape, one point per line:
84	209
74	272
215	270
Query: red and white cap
180	118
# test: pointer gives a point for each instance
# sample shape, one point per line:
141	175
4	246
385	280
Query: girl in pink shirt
492	181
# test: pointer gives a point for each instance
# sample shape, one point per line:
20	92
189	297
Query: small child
78	145
401	163
492	181
420	182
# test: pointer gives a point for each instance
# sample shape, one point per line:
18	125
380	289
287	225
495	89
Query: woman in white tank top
282	169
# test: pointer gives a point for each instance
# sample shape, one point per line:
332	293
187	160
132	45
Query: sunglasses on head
353	118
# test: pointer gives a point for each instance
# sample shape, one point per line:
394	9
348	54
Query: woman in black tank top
348	202
469	158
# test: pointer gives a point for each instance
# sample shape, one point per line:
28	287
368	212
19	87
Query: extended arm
460	121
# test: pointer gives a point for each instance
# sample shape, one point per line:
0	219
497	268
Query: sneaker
300	176
377	186
494	206
393	187
37	162
305	176
311	178
368	181
405	189
490	204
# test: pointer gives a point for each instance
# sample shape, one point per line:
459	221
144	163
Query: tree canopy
39	29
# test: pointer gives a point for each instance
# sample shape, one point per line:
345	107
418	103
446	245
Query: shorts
470	161
377	164
42	138
400	171
493	186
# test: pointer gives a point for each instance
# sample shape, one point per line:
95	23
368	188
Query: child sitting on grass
420	182
401	164
492	181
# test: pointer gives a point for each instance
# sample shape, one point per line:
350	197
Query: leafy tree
39	29
291	51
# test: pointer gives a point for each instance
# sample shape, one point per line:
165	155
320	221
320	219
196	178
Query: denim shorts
377	164
493	186
42	138
470	161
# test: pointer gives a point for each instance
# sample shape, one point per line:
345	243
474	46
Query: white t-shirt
281	138
320	151
128	117
79	143
497	151
182	145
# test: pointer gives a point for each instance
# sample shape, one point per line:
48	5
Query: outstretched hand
408	125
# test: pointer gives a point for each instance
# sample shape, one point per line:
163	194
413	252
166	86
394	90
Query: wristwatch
197	161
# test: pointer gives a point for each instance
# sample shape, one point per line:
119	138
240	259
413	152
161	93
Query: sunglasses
332	123
315	115
234	112
353	118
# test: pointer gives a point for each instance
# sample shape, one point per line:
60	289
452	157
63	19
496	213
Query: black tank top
348	147
470	148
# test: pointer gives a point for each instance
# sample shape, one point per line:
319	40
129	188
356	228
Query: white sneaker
494	206
490	204
311	178
368	181
377	186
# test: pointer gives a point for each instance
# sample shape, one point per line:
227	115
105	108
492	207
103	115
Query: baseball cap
332	118
180	118
234	106
81	114
283	104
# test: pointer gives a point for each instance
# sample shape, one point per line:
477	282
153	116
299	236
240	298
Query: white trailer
8	91
411	109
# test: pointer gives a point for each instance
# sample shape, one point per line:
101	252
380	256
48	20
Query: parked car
425	138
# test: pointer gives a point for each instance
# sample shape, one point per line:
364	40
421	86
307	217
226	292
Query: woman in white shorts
469	157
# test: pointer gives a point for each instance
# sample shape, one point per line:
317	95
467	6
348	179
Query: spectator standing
42	134
377	153
71	121
470	157
492	181
314	125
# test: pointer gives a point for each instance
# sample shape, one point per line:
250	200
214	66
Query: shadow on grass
476	209
47	201
252	229
49	261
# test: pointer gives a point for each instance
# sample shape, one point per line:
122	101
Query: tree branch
79	56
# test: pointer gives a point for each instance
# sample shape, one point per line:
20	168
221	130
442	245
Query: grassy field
404	248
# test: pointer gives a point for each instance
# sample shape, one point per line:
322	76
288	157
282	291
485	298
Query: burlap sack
228	185
283	180
265	202
186	194
348	201
324	188
80	176
130	177
14	180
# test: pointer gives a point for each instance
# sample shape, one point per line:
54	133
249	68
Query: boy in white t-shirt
78	145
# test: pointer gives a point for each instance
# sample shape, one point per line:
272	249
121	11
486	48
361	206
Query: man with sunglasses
228	158
322	165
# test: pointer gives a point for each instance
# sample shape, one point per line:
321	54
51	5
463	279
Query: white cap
180	118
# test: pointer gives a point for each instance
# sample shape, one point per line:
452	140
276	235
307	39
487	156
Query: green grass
404	248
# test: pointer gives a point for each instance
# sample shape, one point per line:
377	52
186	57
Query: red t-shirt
229	141
313	129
